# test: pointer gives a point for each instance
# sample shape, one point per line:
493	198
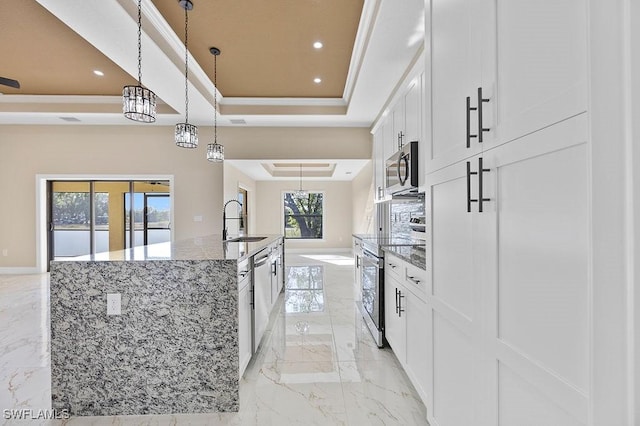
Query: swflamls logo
31	414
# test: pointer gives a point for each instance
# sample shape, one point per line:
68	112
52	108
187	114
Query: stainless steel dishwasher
261	295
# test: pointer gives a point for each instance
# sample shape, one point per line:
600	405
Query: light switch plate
197	218
113	304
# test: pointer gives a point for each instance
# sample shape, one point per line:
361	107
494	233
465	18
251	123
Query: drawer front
415	279
394	266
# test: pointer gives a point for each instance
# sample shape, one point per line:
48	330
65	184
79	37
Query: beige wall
362	192
234	179
256	143
135	150
337	212
26	151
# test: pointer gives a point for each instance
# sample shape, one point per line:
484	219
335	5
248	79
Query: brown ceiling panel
267	44
48	58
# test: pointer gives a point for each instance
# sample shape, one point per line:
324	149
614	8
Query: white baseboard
19	271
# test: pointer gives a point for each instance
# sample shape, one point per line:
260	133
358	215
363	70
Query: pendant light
186	134
138	102
300	193
215	151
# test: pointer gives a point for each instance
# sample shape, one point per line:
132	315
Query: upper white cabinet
453	44
534	66
412	112
499	70
378	164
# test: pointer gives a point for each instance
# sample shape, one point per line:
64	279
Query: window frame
324	215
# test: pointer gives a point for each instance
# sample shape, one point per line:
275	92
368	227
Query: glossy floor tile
317	364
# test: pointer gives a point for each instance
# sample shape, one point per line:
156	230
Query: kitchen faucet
224	218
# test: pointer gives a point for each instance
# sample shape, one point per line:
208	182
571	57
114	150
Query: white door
418	322
394	328
413	111
390	142
450	265
534	65
534	271
378	164
455	70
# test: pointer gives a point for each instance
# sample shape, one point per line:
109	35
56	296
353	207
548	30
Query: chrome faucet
224	218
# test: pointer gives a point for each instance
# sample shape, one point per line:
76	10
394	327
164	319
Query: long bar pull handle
469	109
481	129
481	170
397	301
400	310
469	199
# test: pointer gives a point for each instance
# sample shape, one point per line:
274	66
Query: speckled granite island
173	348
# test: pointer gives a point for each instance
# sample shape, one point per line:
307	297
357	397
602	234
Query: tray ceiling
265	72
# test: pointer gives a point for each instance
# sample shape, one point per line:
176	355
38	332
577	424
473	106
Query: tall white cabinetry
508	258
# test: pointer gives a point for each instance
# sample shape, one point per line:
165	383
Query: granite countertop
209	247
415	255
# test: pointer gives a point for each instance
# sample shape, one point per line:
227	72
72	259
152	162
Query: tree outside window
303	215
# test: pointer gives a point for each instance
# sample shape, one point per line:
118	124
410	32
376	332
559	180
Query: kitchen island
169	342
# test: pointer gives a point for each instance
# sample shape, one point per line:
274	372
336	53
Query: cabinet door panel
451	243
534	272
535	65
542	260
455	74
453	386
394	327
418	346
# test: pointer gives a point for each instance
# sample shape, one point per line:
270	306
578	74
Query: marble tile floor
317	364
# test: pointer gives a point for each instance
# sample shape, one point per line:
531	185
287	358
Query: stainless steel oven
372	281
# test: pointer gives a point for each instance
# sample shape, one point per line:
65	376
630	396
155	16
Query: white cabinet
500	70
454	69
378	165
509	283
244	315
405	316
394	323
390	136
534	67
412	111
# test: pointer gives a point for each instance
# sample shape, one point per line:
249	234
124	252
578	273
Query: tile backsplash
401	212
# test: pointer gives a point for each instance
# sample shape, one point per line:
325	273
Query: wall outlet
113	304
5	252
197	218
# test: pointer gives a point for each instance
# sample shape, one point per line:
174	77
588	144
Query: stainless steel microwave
401	171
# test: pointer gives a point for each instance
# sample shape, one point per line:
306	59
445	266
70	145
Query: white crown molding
370	10
60	99
284	101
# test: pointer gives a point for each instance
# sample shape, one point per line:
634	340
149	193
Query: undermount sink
247	239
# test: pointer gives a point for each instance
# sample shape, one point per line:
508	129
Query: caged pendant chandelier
186	134
300	193
138	102
215	151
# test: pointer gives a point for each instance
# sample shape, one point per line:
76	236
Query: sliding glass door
87	217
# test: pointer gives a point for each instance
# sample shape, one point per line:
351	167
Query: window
303	215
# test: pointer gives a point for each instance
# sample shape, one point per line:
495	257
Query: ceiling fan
9	82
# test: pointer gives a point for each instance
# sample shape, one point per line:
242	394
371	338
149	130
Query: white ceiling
341	169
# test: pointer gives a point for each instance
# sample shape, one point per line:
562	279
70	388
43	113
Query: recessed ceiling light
318	45
317	80
98	73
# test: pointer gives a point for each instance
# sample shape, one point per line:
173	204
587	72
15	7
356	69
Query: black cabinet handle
481	129
469	109
469	199
400	138
397	305
481	170
253	299
400	310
